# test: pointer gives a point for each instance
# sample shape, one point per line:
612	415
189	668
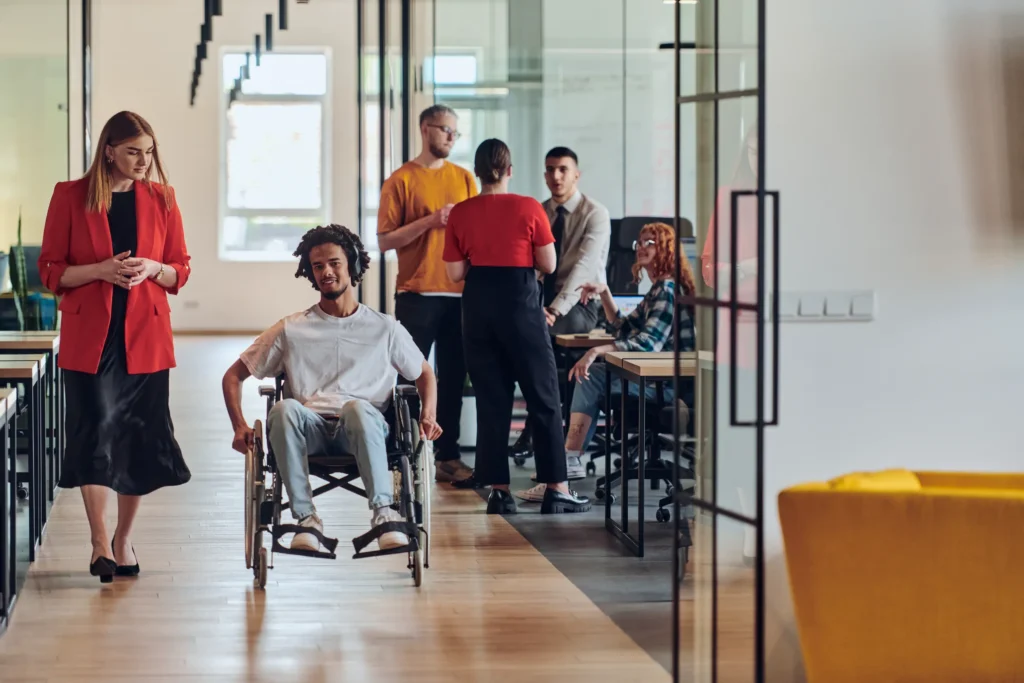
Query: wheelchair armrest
407	391
268	390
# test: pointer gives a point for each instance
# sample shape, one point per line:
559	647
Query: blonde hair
122	126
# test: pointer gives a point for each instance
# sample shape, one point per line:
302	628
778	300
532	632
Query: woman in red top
497	242
113	247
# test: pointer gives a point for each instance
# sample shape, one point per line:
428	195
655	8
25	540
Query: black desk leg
608	449
39	422
624	455
6	537
641	457
51	426
11	450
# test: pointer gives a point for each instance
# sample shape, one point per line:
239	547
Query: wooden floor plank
492	608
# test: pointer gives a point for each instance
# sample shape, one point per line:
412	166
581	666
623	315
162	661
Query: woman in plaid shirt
647	328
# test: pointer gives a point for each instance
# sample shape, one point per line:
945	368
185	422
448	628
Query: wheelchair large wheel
254	493
423	495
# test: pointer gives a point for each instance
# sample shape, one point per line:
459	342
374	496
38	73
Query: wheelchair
408	459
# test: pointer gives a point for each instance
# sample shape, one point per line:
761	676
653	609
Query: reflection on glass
735	602
695	602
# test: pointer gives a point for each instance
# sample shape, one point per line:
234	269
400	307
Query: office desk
583	341
30	372
46	342
8	507
641	368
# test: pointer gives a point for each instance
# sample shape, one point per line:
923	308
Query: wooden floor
491	608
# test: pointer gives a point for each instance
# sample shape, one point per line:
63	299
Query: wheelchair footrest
410	529
329	543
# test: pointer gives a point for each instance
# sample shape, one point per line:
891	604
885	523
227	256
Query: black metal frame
387	103
340	472
8	517
733	307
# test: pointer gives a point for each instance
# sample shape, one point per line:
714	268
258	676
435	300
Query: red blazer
76	237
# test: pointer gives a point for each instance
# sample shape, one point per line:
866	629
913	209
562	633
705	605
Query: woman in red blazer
113	247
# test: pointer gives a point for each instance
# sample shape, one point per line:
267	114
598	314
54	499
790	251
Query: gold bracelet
161	273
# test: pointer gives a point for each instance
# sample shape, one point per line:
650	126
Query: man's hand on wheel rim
429	429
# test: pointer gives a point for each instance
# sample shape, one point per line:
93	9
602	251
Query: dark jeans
437	321
507	341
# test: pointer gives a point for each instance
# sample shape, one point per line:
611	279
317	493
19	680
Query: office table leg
6	531
607	452
11	451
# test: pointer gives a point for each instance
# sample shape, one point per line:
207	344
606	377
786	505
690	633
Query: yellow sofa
901	576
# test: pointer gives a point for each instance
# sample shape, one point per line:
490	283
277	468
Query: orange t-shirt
413	192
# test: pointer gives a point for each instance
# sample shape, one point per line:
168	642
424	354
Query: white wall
142	60
866	141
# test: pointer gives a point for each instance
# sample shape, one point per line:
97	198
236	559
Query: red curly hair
663	264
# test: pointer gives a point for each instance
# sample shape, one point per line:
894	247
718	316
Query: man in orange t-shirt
414	206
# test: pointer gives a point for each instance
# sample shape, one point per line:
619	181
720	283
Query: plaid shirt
649	326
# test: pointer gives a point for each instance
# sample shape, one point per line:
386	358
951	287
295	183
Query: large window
276	154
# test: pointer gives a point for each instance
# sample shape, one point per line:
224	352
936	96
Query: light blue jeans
360	430
588	396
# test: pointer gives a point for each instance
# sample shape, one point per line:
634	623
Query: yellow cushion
885	480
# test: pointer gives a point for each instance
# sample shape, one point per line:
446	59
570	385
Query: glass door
719	130
383	28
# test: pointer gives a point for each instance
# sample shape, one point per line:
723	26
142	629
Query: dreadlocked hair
332	234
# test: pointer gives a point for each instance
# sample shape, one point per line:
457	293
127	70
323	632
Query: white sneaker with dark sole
303	541
390	539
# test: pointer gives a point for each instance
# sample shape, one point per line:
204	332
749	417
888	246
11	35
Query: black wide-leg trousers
506	341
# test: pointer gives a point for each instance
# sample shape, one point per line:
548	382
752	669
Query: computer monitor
627	303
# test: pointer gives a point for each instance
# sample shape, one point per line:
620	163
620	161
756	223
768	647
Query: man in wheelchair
341	361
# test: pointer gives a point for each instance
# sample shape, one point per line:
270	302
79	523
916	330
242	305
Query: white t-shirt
329	360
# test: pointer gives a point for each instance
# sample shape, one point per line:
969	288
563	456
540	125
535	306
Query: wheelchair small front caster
259	580
591	469
662	515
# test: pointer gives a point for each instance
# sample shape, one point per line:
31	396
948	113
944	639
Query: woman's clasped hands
126	272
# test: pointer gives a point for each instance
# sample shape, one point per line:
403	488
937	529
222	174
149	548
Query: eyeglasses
454	134
644	243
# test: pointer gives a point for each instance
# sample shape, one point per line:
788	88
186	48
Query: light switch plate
812	305
827	306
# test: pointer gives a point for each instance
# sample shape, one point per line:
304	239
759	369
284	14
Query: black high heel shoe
127	569
103	567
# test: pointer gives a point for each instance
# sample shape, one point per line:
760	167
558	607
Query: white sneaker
532	495
390	539
574	468
303	541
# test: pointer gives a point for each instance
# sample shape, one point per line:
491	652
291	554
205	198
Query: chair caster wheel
591	469
22	493
662	515
599	494
617	463
519	460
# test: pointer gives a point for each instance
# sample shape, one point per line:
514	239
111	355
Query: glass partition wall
662	100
